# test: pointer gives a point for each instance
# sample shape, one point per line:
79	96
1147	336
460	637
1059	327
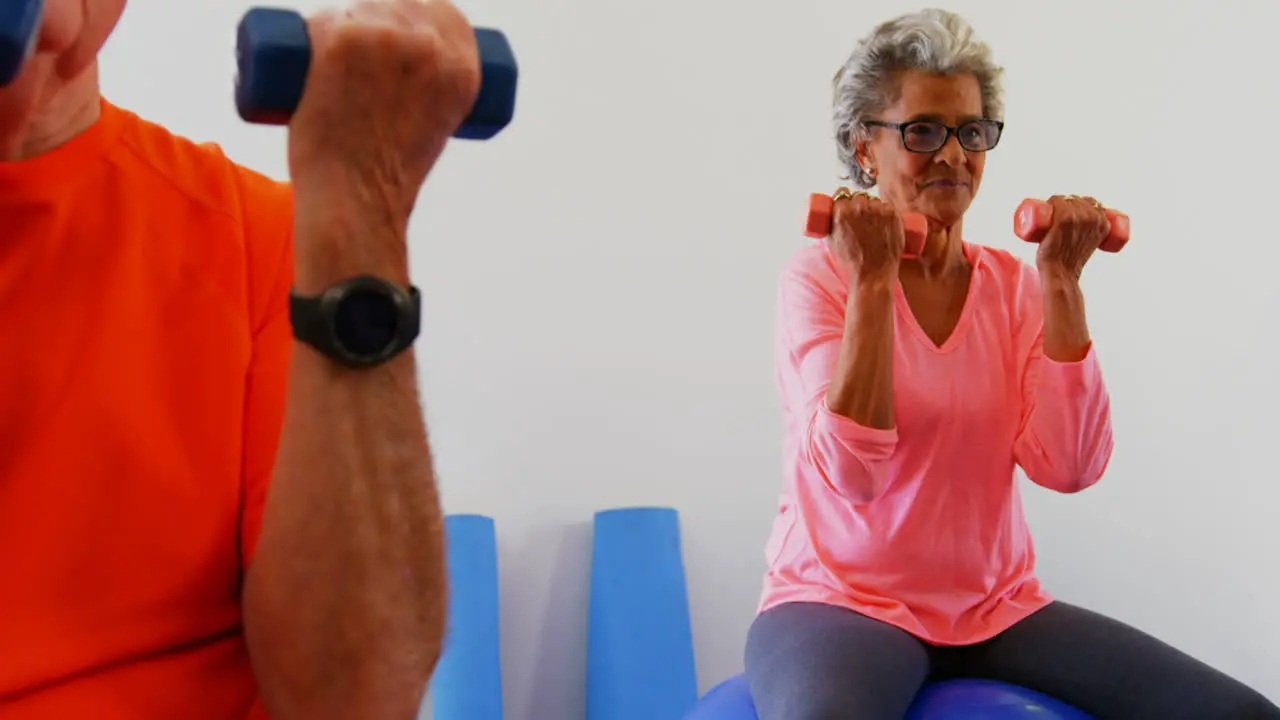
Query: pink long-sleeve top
921	526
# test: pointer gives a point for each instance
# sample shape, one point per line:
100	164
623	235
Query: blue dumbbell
19	25
274	55
273	52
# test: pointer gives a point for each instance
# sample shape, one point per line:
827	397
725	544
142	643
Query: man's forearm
1066	332
345	601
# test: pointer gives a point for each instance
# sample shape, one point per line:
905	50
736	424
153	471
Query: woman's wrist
875	283
1057	276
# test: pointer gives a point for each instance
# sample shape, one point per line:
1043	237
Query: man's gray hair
934	41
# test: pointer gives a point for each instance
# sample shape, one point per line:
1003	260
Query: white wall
599	285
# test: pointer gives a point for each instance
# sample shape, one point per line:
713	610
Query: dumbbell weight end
19	31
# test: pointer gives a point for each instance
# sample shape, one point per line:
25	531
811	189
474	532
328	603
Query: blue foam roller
639	641
19	30
467	684
273	56
988	700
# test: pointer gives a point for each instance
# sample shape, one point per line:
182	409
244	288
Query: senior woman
911	389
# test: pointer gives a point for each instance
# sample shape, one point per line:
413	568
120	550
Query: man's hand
390	81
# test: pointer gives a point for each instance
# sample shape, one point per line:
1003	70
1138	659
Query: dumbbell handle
1033	218
822	210
273	55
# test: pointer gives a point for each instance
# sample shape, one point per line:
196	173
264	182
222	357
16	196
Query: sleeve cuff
1072	376
868	443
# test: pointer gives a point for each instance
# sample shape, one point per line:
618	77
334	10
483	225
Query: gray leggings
807	661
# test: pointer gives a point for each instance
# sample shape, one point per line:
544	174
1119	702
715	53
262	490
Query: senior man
207	511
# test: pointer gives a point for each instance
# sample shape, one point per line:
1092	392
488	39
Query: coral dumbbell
1033	218
822	210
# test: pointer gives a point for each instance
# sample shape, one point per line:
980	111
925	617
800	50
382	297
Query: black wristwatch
360	322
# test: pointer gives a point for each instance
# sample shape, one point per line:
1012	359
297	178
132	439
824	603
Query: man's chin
18	105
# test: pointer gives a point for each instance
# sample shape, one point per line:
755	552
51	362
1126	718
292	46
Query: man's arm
345	597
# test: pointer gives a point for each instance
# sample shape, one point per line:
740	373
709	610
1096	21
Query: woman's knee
812	662
1251	707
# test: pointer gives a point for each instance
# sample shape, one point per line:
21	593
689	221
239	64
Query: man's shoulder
202	173
254	211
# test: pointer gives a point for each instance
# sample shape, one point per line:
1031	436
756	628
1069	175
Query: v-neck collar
975	257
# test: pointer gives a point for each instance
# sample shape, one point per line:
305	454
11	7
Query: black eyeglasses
928	136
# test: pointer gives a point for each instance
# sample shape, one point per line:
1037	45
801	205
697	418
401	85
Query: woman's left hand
1079	226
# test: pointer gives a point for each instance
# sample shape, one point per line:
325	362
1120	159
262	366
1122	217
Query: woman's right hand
866	233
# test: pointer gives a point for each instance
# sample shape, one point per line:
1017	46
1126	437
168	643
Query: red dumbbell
822	207
1033	218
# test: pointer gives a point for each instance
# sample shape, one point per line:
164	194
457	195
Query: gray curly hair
934	41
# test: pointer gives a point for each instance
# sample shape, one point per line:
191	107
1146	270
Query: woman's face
939	184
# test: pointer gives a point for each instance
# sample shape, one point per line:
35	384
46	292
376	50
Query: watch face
366	322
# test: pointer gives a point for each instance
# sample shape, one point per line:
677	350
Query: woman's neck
943	252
